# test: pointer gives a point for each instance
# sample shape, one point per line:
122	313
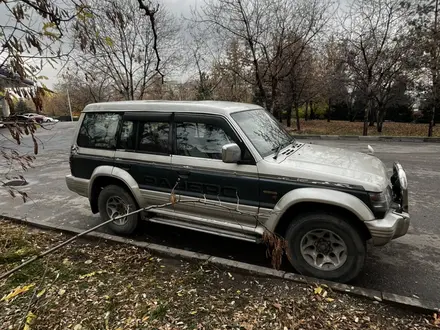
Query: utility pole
70	106
434	69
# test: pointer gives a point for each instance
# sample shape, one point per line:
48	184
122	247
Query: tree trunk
431	123
434	109
312	114
306	112
372	116
131	87
367	111
329	110
434	69
435	106
380	119
289	116
379	127
275	113
298	124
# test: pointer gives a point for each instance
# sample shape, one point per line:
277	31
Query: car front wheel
325	246
114	201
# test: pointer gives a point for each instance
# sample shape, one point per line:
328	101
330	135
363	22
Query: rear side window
99	130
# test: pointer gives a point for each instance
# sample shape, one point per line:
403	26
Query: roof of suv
215	107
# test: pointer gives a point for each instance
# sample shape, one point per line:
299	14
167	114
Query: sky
177	7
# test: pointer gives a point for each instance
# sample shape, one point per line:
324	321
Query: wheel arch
307	200
108	175
310	207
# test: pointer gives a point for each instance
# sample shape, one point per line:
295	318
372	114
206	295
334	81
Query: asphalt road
409	265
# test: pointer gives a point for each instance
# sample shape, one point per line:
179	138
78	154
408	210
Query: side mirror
231	153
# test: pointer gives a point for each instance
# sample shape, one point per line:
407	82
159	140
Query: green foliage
83	14
319	111
159	312
108	41
49	25
51	35
22	107
21	38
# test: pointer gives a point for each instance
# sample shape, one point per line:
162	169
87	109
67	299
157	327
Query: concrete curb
369	138
390	298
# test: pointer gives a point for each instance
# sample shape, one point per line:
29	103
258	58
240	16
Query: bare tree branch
150	12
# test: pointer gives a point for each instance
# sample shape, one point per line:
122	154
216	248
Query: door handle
183	174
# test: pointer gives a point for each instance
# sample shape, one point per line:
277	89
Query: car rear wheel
114	201
325	246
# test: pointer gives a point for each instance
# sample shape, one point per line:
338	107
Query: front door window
201	140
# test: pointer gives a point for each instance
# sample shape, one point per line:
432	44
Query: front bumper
394	225
396	222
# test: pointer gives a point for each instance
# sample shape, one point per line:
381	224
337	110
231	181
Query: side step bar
203	229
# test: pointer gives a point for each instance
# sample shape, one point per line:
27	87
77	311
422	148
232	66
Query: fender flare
117	173
323	196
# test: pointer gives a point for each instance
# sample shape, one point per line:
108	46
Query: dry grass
322	127
96	285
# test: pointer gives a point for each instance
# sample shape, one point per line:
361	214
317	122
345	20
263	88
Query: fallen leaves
320	292
41	293
277	306
91	274
18	290
173	198
30	317
134	292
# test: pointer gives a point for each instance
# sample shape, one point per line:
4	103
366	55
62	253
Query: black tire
355	244
115	191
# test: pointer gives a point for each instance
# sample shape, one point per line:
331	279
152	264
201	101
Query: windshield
265	132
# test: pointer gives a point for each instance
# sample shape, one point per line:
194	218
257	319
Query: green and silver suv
246	175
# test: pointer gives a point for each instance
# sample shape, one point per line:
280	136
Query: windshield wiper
283	145
278	151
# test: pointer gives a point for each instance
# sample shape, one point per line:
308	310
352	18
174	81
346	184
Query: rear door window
99	130
154	137
127	140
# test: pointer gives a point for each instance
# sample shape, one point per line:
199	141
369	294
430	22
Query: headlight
381	201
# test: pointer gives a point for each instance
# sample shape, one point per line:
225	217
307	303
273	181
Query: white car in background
41	118
50	120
